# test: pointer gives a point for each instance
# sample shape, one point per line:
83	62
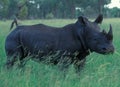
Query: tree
51	8
16	7
101	4
23	13
12	8
94	5
4	8
115	12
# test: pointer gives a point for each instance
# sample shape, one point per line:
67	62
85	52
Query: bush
49	16
23	13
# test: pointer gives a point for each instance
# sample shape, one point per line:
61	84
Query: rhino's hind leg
11	61
13	55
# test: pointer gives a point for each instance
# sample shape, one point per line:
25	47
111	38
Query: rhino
72	43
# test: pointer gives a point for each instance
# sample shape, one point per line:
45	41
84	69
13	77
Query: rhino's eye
95	39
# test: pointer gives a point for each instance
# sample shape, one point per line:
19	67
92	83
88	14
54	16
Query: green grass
99	71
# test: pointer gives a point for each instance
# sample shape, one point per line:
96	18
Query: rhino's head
95	39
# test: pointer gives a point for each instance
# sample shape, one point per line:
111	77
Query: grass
99	71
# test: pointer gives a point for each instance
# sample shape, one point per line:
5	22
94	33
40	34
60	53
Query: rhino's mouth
106	52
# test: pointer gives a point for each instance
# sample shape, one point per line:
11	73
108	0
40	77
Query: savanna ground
99	71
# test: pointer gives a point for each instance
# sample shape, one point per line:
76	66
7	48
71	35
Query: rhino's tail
14	22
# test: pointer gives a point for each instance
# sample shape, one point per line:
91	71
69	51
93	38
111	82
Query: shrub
49	16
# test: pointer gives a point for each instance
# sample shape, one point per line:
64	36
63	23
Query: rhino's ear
99	19
104	32
82	20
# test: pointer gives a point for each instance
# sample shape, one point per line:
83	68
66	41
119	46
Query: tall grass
99	71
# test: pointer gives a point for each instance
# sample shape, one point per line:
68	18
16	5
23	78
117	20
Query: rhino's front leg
79	65
64	63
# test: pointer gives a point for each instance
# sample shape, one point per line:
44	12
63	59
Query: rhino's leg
11	60
64	63
14	53
79	64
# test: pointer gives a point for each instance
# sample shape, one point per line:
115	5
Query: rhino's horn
110	33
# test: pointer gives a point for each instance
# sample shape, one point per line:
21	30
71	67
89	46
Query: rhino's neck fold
80	29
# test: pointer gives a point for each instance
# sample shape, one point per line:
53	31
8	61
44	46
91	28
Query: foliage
4	8
49	16
58	8
23	13
12	8
113	12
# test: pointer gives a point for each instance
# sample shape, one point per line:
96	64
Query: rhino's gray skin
40	40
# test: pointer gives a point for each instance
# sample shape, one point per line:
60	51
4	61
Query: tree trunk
100	6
